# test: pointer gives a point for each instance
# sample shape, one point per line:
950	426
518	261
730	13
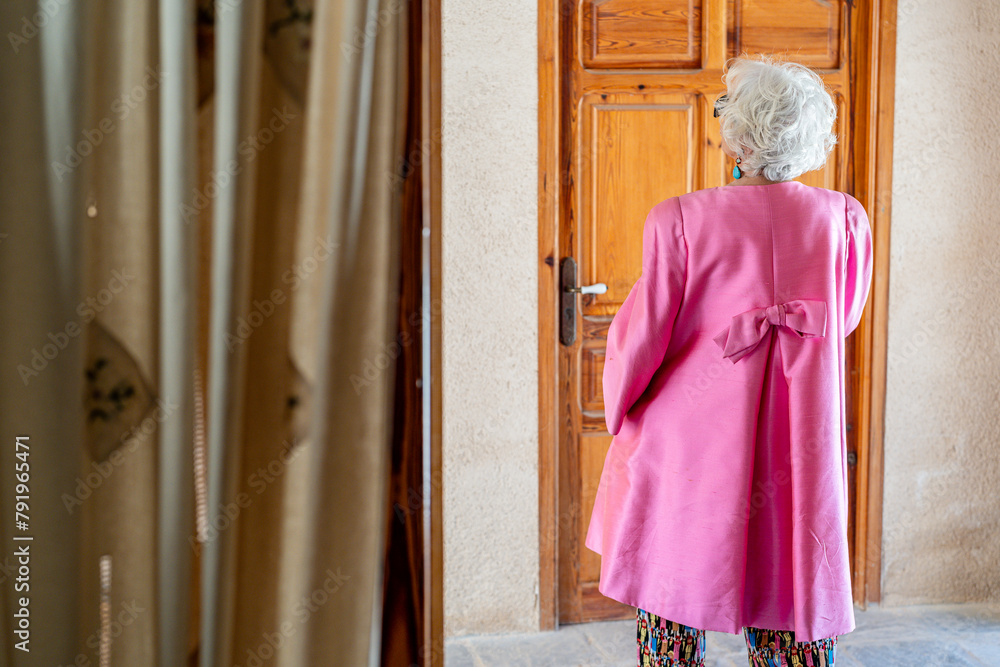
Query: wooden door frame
873	109
432	605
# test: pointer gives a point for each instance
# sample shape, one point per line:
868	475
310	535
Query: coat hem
709	625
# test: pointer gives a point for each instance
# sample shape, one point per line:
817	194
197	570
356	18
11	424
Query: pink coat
723	498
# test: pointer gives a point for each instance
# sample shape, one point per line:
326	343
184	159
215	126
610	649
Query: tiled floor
924	636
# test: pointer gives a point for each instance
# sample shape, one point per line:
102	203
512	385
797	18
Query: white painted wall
942	450
490	326
941	514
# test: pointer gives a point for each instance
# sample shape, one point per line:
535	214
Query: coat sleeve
640	332
859	264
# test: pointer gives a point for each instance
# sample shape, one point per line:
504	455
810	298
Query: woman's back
724	386
761	244
765	244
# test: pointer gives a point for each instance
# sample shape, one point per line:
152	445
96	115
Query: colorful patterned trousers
663	643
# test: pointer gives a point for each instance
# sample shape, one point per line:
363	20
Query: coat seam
687	257
770	226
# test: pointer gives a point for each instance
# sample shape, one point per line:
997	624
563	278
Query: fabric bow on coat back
806	317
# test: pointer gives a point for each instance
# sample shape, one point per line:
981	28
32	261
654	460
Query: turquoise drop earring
736	170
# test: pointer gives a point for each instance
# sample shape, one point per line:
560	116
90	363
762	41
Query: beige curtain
198	254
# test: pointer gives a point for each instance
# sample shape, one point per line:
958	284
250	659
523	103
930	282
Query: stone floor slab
940	635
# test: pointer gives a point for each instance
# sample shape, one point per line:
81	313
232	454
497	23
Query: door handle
567	299
596	288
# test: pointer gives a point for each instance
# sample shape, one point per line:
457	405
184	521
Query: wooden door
634	92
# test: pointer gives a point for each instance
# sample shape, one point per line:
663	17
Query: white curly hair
777	116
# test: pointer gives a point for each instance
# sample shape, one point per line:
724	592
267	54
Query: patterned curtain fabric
198	254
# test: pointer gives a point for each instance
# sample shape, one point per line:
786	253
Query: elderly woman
722	504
